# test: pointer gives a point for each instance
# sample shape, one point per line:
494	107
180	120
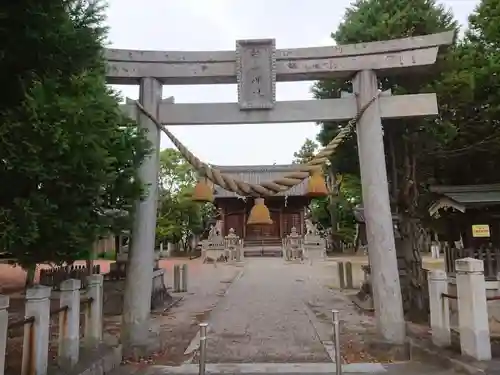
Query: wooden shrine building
467	220
287	209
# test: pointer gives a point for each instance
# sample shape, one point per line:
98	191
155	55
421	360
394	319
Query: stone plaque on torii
255	66
256	73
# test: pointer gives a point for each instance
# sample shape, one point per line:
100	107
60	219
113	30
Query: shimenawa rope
264	188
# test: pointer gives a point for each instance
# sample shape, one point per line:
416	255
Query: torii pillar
377	210
138	283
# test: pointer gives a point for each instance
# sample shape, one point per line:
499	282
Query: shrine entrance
256	66
258	232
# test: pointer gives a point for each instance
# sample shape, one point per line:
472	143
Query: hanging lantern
259	214
316	186
203	191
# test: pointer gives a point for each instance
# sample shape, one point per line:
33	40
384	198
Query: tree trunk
30	276
332	209
118	245
91	261
414	288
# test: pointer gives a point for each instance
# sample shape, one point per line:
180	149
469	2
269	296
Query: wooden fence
54	276
489	255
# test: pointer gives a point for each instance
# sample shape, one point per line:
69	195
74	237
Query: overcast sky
216	25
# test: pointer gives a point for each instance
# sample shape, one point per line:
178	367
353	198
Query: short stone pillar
184	278
69	323
36	335
314	247
156	260
93	311
4	323
439	308
473	309
177	278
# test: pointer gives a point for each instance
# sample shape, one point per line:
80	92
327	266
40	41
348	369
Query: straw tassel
203	191
259	214
316	186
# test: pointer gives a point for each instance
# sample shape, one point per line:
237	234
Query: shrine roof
470	195
256	174
460	197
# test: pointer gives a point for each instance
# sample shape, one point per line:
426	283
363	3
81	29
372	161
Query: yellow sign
481	230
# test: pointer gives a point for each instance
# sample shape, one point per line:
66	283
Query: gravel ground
179	325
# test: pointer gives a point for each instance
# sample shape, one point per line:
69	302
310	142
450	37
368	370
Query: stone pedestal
69	327
37	335
473	309
439	308
93	314
232	244
314	247
4	322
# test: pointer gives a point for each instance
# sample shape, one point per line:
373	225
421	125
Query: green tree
306	152
68	155
341	206
175	172
469	98
407	141
179	218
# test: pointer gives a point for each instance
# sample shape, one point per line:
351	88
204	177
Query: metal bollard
184	277
203	348
348	275
341	275
177	278
336	341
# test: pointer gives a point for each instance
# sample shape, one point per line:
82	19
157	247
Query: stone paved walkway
264	317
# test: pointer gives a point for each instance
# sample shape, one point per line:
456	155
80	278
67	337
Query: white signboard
256	73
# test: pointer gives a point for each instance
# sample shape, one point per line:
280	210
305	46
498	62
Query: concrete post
4	323
69	323
386	288
137	297
177	278
93	312
36	335
348	275
439	308
184	277
341	274
472	309
241	250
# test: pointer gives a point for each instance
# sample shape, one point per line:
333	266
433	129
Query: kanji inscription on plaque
256	73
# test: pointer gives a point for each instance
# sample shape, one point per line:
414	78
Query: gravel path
264	317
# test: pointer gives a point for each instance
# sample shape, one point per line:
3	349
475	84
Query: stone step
406	368
263	242
266	251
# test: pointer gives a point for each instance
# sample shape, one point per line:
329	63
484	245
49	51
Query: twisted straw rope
268	188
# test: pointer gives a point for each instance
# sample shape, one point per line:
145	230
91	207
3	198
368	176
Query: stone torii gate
256	66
